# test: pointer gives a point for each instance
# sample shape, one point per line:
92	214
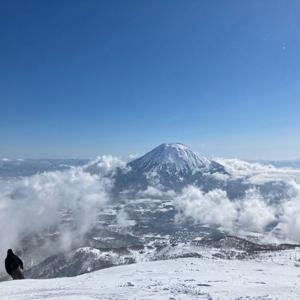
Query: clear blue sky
81	78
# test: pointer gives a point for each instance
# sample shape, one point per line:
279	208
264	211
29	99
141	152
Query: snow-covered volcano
174	157
168	166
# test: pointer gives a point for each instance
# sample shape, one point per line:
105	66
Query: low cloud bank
258	173
105	165
290	218
63	203
206	208
252	213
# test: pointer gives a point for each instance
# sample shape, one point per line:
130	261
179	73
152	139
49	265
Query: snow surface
270	276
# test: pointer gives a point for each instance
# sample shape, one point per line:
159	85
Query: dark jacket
12	262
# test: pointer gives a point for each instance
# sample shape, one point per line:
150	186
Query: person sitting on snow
13	265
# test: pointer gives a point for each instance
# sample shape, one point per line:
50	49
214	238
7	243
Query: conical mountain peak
173	156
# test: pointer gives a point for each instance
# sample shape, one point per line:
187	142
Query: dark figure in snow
14	265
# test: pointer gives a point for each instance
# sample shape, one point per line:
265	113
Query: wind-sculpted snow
270	277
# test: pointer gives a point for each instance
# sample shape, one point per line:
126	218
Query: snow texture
268	277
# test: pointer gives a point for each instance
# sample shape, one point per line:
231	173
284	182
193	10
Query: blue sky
81	78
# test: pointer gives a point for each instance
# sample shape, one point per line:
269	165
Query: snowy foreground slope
270	276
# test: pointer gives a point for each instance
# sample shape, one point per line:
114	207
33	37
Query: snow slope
271	276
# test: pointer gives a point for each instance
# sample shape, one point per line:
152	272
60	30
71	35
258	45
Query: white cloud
257	173
213	208
123	219
289	221
105	165
254	213
35	204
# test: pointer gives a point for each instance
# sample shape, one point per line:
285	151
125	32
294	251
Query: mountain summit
168	166
171	157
